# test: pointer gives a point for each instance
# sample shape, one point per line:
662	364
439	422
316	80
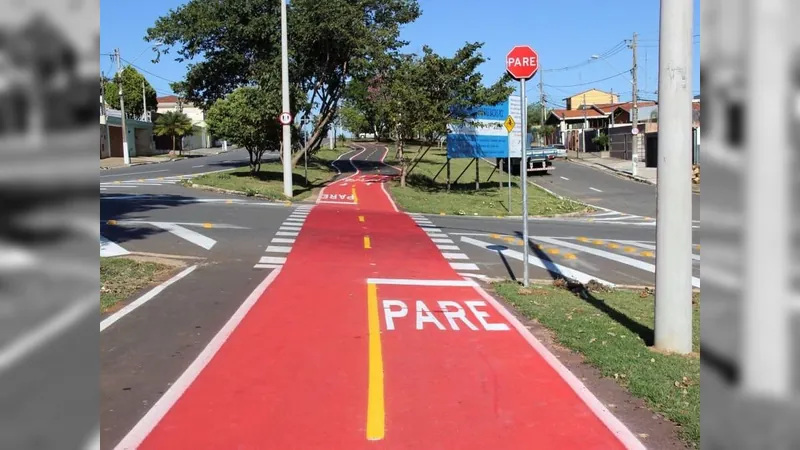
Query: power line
148	72
587	83
620	46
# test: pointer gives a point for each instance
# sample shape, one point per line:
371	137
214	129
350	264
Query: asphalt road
604	189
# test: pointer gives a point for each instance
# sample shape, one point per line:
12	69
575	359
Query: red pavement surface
294	373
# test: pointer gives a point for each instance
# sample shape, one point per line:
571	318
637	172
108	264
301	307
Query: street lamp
634	113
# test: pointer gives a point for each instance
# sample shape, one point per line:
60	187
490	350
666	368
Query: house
140	134
200	138
590	97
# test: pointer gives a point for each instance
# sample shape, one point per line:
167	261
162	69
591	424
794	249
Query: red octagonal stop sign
522	62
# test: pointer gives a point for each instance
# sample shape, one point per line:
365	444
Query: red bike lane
367	338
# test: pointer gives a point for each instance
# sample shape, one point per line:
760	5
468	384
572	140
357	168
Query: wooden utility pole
144	104
105	112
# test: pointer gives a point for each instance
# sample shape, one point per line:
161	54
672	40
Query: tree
132	90
247	118
535	116
173	123
601	140
239	44
354	121
423	95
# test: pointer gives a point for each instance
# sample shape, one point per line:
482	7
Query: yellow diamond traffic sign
509	123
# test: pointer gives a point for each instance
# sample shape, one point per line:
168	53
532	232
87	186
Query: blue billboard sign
484	135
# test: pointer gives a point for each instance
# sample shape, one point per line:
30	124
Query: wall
592	97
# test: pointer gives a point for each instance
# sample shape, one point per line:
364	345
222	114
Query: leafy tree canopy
131	81
173	123
239	44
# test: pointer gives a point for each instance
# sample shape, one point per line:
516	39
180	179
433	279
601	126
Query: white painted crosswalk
280	246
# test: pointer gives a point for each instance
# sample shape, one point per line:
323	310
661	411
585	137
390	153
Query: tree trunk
402	163
173	144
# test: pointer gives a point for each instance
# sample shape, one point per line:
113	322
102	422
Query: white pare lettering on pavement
336	197
474	317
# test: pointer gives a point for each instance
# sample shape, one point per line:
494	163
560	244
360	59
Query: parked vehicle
540	159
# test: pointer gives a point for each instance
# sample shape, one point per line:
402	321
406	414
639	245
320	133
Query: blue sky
564	34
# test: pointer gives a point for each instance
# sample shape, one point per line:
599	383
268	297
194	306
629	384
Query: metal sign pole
523	167
508	169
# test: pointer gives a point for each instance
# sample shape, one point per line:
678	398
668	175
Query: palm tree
173	123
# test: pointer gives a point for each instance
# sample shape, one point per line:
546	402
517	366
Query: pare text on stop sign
524	61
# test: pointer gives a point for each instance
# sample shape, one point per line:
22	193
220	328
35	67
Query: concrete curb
612	169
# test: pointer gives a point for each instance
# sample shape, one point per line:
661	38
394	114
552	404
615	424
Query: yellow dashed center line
111	222
367	242
598	242
553	251
355	197
613	245
647	253
583	239
629	249
361	218
570	256
208	225
376	414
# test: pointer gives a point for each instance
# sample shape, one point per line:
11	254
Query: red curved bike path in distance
295	373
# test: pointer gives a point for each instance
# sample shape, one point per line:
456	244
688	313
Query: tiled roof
168	99
578	113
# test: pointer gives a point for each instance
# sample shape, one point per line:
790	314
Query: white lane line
464	266
278	249
415	282
201	165
431	228
614	219
595	189
221	226
185	233
437	235
132	173
565	178
292	220
282	241
447	247
626	437
130	307
267	266
108	248
286	233
455	256
143	428
285	228
22	347
442	241
272	260
651	247
546	264
608	213
608	255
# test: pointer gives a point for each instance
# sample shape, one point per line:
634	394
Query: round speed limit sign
285	118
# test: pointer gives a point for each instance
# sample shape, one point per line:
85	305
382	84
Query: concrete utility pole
287	129
585	126
767	229
144	104
126	156
673	308
635	104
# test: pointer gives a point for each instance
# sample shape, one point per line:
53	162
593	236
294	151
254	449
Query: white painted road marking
130	307
565	178
201	165
546	264
272	260
108	248
417	282
447	247
267	266
464	266
187	234
132	173
278	249
442	241
608	255
595	189
286	233
455	256
147	423
282	241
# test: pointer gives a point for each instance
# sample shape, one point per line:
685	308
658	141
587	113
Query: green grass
613	330
425	192
120	278
268	182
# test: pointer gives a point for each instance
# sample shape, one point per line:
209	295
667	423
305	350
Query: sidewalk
117	162
621	166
